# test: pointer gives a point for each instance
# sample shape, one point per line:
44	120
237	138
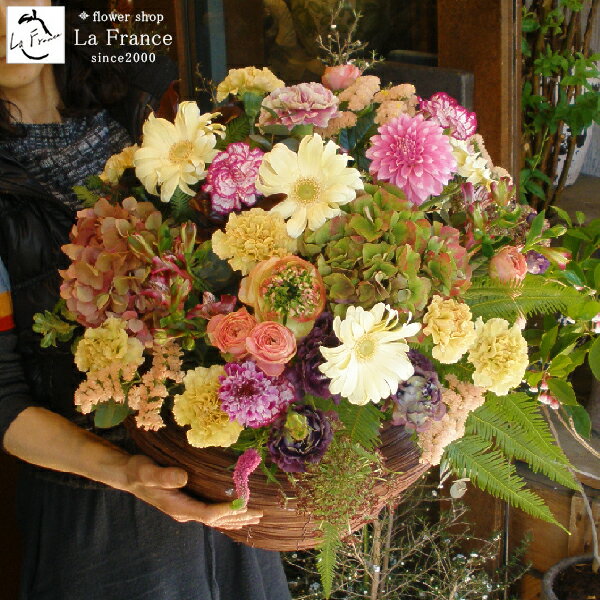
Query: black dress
84	540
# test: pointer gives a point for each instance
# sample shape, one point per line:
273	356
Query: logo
35	34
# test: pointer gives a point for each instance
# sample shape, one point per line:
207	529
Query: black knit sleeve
14	390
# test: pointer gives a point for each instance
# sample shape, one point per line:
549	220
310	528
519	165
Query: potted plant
559	99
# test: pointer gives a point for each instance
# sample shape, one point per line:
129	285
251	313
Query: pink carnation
245	466
414	155
231	178
271	345
340	77
302	104
448	113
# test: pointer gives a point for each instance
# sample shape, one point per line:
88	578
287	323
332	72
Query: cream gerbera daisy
176	154
316	181
372	360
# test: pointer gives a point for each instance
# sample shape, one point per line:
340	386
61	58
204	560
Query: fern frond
180	206
361	423
237	131
489	298
489	470
327	557
530	441
86	196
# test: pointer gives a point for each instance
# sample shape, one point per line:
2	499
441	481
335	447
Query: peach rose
340	77
508	265
229	332
271	345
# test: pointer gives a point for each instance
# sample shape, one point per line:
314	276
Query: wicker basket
281	528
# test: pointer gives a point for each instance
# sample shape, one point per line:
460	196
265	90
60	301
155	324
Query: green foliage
238	130
558	101
594	358
56	326
327	556
361	423
109	414
515	425
179	207
488	298
489	469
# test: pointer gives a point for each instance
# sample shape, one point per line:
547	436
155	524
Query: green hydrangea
384	249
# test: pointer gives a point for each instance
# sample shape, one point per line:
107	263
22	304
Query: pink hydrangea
245	466
413	154
448	113
302	104
231	178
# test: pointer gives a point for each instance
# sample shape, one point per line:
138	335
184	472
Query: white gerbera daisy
316	181
176	154
372	360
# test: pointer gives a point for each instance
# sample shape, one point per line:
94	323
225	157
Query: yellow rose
117	163
499	355
249	79
449	323
104	345
199	407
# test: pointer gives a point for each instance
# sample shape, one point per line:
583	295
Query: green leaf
238	504
252	103
109	414
238	130
562	391
327	557
594	358
362	423
581	420
548	341
489	298
536	228
525	436
490	471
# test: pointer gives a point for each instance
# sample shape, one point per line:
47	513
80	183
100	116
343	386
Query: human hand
159	486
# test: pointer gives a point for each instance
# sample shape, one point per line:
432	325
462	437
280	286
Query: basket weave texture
282	527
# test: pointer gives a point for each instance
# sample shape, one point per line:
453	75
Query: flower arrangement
308	265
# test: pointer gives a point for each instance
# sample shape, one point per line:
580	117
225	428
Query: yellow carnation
450	325
248	79
117	163
251	237
499	355
199	407
102	346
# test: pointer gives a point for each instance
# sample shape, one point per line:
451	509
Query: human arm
44	438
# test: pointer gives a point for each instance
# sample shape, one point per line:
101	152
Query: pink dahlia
252	398
448	113
413	154
231	178
302	104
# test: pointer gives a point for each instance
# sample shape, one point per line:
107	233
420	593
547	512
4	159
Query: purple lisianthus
302	104
418	400
231	178
305	372
537	264
252	398
446	111
302	436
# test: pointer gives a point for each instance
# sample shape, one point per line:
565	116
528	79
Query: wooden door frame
483	36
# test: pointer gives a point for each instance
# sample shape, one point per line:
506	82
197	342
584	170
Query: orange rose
271	345
229	332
